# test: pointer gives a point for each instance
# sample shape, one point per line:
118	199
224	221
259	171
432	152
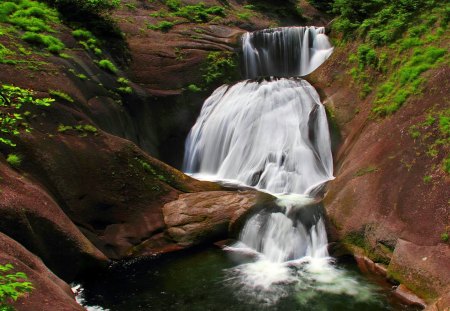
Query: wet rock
408	296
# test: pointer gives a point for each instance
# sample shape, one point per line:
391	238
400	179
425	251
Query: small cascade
284	52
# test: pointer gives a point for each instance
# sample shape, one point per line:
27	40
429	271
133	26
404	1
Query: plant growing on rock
14	159
14	103
12	286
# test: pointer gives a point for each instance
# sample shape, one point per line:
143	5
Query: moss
163	26
220	67
108	66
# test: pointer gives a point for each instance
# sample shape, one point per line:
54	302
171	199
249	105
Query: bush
220	66
107	65
12	286
14	160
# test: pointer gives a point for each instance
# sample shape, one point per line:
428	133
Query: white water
285	52
272	134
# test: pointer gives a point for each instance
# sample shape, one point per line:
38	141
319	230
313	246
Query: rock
29	215
197	218
408	296
442	304
379	194
49	293
422	268
109	187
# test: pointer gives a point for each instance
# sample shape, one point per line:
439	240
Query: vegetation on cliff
13	285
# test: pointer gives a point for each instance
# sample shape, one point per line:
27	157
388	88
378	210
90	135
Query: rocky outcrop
29	215
390	196
196	218
49	292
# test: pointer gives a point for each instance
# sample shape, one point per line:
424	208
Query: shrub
12	286
78	8
220	66
14	160
107	65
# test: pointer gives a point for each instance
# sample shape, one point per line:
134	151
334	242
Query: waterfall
285	52
271	134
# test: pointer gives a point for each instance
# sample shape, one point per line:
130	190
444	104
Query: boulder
201	217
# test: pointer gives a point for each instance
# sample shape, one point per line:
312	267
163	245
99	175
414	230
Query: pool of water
214	279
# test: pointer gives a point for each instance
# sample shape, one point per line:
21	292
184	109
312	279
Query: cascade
284	52
271	133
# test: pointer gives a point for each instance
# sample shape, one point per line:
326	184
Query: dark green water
199	280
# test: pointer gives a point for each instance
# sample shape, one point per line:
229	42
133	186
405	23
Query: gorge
324	165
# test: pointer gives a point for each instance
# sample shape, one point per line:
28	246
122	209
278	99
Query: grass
399	43
61	95
14	159
50	42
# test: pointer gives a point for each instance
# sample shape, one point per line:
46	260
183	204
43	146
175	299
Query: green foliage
82	34
366	170
14	159
445	237
161	26
220	67
446	165
61	95
82	129
80	8
406	80
196	13
244	15
427	179
52	44
108	66
124	88
14	103
194	88
12	286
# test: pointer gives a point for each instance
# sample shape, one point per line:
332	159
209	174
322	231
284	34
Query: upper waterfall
272	135
284	52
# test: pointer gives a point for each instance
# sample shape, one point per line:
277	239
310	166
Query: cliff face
390	198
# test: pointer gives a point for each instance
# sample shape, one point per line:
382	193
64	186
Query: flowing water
271	134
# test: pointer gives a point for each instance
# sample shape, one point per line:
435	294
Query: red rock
47	286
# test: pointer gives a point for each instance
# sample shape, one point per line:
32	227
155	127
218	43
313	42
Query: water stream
270	133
